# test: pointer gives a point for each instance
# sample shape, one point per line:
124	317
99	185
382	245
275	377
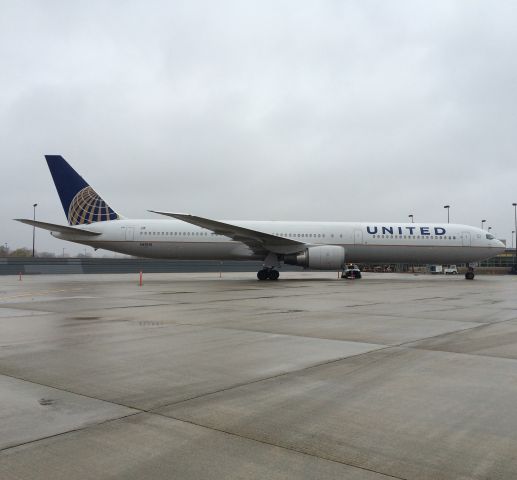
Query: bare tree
21	252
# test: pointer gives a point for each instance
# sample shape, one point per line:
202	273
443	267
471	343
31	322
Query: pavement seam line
283	447
475	327
329	362
265	379
169	417
60	389
77	429
145	412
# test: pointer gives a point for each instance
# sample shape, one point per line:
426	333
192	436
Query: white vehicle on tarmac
434	269
451	270
351	271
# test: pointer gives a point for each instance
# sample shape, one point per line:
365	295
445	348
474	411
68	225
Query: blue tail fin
80	201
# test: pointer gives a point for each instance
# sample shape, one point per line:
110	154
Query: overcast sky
296	110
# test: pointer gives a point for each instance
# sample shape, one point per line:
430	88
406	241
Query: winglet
172	214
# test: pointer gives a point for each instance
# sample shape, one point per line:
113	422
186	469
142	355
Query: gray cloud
262	110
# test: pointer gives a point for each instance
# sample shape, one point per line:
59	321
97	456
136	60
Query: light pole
412	218
34	229
482	224
515	226
513	233
448	207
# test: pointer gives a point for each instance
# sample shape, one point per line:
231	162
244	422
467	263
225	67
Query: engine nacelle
321	257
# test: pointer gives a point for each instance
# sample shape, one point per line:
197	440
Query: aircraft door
130	233
465	239
358	237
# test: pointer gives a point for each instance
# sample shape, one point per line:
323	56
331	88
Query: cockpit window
489	236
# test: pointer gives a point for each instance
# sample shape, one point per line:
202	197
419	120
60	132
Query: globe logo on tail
88	207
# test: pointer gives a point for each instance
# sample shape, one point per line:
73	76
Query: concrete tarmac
192	376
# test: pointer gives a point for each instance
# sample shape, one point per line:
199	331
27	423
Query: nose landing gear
268	274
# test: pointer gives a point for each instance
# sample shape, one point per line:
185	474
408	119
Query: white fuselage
372	242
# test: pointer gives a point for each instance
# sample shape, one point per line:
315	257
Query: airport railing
46	266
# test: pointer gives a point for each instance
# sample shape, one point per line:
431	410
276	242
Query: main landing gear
268	274
469	274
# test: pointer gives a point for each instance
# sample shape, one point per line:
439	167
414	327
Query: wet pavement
199	377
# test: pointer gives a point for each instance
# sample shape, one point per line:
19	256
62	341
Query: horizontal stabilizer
57	228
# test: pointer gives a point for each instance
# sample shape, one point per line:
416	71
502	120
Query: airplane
312	245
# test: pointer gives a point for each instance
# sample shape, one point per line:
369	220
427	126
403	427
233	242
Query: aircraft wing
57	228
259	242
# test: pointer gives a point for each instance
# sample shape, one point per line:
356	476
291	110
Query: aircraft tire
274	274
263	274
469	276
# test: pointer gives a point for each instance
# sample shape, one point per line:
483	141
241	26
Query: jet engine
321	257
